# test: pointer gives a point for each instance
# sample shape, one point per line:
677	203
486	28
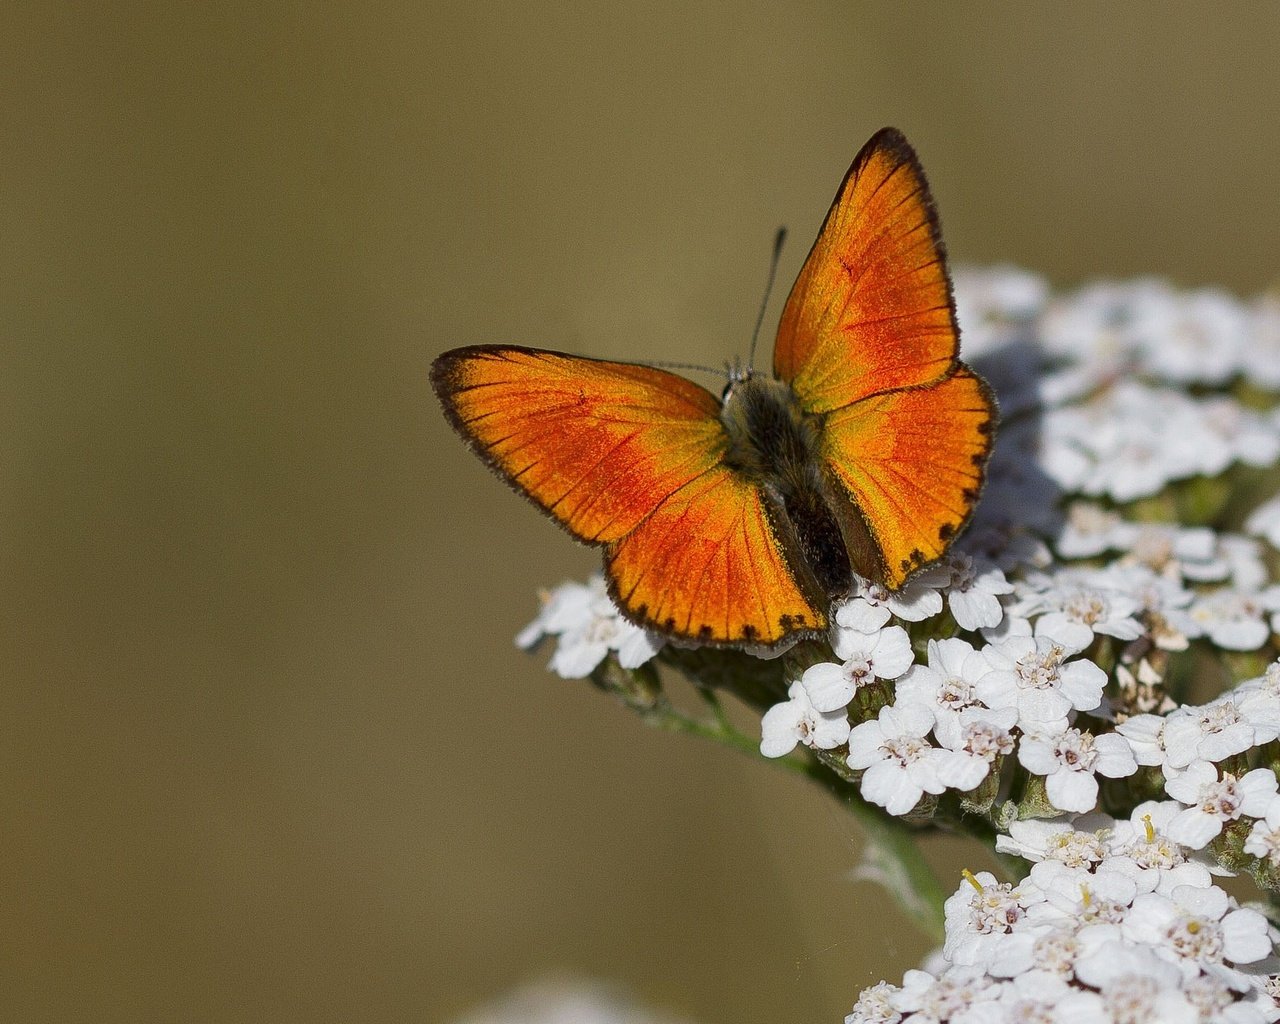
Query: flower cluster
1116	921
1079	650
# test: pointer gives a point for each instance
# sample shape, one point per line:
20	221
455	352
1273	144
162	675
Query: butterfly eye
737	375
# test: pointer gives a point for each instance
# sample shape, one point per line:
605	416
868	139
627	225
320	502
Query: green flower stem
892	852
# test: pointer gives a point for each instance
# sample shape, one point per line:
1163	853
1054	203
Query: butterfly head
736	374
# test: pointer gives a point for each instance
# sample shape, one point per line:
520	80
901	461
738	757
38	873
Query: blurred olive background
268	752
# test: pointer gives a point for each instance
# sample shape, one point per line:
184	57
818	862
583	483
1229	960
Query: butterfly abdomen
774	443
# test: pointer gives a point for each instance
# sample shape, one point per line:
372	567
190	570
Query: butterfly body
736	520
776	444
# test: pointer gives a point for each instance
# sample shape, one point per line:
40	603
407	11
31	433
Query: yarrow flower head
1035	676
798	721
1081	673
1081	939
1071	760
879	654
1214	799
588	626
899	763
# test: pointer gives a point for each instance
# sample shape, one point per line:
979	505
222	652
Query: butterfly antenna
661	365
778	239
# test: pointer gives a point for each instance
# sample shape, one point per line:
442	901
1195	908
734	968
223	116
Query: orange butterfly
737	520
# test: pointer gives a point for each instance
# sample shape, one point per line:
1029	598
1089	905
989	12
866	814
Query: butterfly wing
632	458
912	463
868	340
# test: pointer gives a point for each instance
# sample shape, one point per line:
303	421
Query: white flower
1250	438
953	997
900	763
1215	731
985	924
1232	619
1077	842
947	684
1199	924
589	626
1090	530
1141	846
874	1006
1069	761
1130	439
1074	614
884	654
974	593
1261	353
981	735
1243	555
1264	840
1135	985
1164	602
1214	801
917	601
992	300
1264	521
1076	897
1034	997
1145	734
1177	552
861	615
1193	337
798	721
1033	675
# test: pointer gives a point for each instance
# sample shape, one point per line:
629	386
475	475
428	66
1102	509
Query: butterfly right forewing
871	310
869	346
598	445
633	458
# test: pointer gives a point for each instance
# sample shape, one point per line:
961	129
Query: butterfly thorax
776	445
770	436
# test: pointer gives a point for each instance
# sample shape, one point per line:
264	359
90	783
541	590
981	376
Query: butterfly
737	520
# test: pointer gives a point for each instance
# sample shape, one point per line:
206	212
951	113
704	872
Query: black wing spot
704	632
970	495
670	624
985	427
946	531
978	458
748	632
785	621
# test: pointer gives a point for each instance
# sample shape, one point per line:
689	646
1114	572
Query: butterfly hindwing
912	462
710	565
632	457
